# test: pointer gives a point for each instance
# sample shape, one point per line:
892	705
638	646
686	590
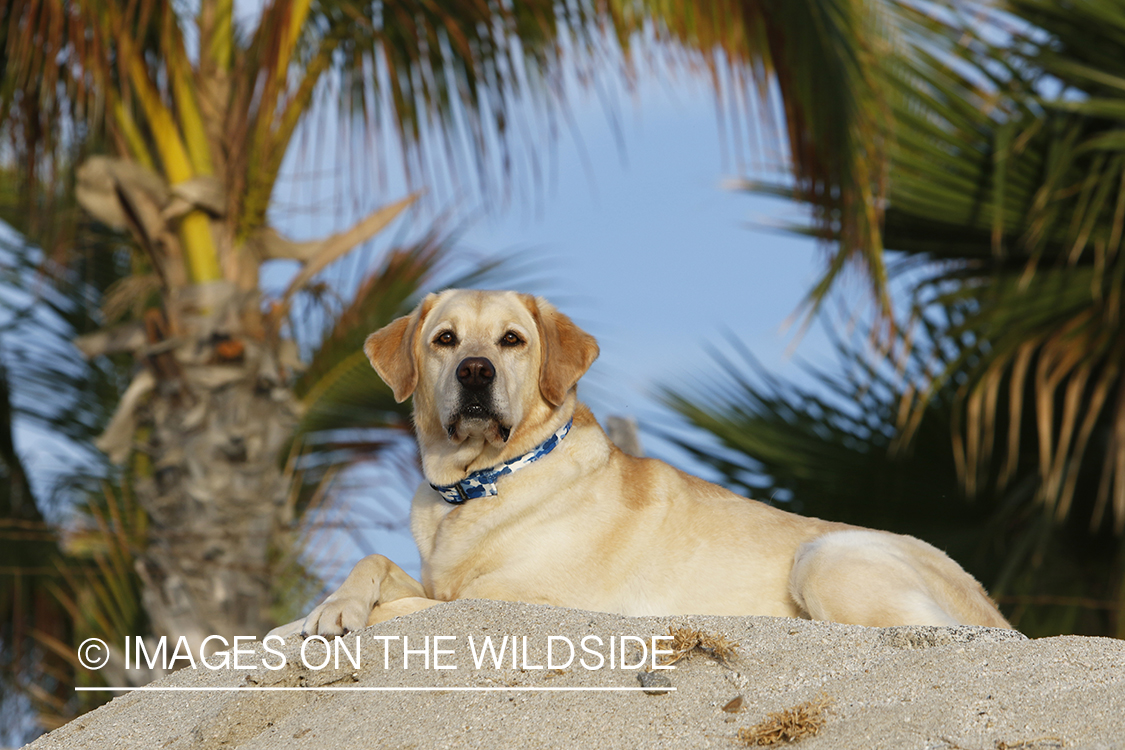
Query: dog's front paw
336	617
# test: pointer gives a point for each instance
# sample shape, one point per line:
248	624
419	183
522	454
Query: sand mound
958	688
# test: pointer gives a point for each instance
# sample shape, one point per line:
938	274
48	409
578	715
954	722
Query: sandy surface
960	688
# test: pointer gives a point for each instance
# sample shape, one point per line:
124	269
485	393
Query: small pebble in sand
654	683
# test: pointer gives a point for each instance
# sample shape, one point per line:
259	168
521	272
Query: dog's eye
511	338
446	338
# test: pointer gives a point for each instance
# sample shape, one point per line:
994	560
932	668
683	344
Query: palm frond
824	56
51	293
101	590
1022	195
28	569
1008	178
447	82
345	402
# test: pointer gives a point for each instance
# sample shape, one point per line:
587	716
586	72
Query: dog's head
486	369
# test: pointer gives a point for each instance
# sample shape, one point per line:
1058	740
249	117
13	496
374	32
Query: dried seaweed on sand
793	724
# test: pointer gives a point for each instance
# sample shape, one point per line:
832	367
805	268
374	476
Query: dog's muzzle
476	376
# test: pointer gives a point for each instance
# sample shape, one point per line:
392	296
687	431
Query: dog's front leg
373	581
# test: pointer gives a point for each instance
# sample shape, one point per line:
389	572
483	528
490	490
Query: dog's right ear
391	351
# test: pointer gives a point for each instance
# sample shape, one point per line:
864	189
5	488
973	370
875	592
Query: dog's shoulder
639	481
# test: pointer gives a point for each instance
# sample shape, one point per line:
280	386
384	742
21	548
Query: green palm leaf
28	556
1026	199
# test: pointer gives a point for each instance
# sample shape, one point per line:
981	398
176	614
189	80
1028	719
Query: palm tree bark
212	428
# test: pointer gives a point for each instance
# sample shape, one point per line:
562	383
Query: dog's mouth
475	418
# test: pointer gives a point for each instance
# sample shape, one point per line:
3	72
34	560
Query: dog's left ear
391	351
568	351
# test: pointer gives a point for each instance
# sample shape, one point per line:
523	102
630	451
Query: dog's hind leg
873	578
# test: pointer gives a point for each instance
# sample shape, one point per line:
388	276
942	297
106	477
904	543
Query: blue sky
651	255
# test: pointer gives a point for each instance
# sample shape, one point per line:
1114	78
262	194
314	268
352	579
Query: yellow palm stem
220	43
195	230
138	149
187	106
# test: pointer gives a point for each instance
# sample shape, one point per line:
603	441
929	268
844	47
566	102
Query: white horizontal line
372	689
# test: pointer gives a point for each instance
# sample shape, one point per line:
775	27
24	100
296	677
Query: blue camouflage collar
483	483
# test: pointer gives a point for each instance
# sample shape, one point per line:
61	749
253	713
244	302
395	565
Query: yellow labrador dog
528	500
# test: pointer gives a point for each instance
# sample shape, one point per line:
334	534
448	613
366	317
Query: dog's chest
491	546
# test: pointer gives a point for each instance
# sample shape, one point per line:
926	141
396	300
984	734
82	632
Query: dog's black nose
475	372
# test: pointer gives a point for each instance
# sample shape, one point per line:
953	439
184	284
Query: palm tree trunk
213	414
